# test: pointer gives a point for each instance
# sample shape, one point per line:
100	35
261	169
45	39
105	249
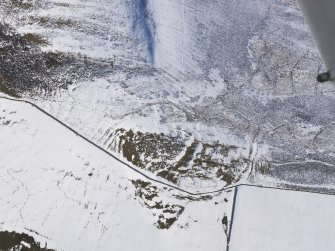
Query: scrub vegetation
25	68
172	159
12	241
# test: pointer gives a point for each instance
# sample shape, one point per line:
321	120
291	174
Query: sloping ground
176	160
235	100
274	118
268	219
259	41
75	26
25	68
65	192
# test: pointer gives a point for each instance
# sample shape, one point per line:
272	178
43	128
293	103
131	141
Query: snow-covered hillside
198	94
231	84
69	194
235	37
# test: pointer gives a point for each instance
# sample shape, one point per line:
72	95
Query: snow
223	71
141	106
217	82
64	191
268	219
25	244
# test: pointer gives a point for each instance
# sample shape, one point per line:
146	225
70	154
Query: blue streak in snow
141	26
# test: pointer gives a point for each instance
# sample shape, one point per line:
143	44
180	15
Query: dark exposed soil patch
170	158
25	68
21	4
10	241
166	213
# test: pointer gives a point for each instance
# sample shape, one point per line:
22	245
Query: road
227	188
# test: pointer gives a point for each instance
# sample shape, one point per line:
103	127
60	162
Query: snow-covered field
269	219
209	93
63	191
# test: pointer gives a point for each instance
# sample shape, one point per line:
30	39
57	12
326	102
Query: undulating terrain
144	109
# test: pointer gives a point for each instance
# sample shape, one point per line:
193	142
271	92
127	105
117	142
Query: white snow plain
65	192
277	220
